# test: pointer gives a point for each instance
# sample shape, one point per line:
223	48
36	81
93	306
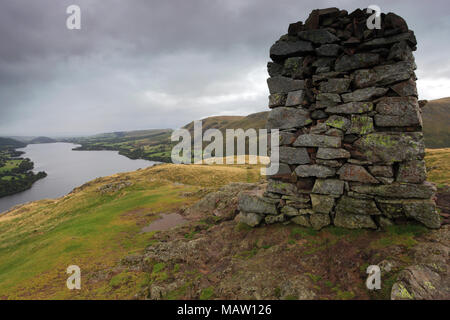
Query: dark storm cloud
155	64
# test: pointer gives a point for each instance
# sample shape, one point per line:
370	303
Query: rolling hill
436	123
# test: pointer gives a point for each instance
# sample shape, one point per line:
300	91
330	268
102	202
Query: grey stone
295	98
328	50
289	211
283	171
398	112
319	128
329	163
318	36
347	205
313	140
314	170
405	88
329	97
318	114
412	172
280	84
328	187
319	221
274	69
281	187
353	221
277	100
382	42
251	219
391	147
356	61
248	202
382	171
383	75
335	85
332	153
287	118
285	49
385	180
365	94
351	108
360	125
401	52
321	203
293	66
352	172
398	190
334	132
302	220
286	138
274	219
423	211
294	155
392	209
317	78
338	122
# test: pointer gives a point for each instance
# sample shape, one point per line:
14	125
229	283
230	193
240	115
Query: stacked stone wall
345	101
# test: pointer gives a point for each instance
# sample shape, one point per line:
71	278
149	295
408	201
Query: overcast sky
141	64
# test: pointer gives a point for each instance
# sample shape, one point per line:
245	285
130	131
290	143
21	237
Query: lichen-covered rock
249	202
274	219
351	108
328	50
360	125
412	172
319	221
321	203
338	122
293	66
383	75
251	219
281	187
295	98
348	205
313	140
423	211
290	211
387	41
287	118
329	187
382	171
398	112
291	155
398	190
353	172
314	170
353	221
302	220
277	100
405	88
391	147
285	49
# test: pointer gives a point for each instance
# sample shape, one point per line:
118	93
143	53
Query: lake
67	169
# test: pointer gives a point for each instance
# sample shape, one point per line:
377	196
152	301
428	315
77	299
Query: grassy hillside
8	143
95	226
436	123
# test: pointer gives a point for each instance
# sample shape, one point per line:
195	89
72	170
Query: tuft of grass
207	293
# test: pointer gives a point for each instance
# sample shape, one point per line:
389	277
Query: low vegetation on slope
99	227
436	123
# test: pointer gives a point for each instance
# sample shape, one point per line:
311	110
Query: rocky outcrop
345	101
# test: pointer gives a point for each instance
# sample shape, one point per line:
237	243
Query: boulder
287	118
294	155
351	108
352	172
398	112
289	211
302	220
274	69
405	88
382	171
285	49
365	94
275	219
423	211
338	122
318	221
347	205
356	61
280	84
295	98
329	187
313	140
314	170
250	219
391	147
321	203
401	52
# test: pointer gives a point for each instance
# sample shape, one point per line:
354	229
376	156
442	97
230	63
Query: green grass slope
436	123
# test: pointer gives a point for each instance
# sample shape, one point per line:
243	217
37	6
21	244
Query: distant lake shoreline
67	169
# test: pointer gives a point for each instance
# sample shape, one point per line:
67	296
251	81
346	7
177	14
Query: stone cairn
345	101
